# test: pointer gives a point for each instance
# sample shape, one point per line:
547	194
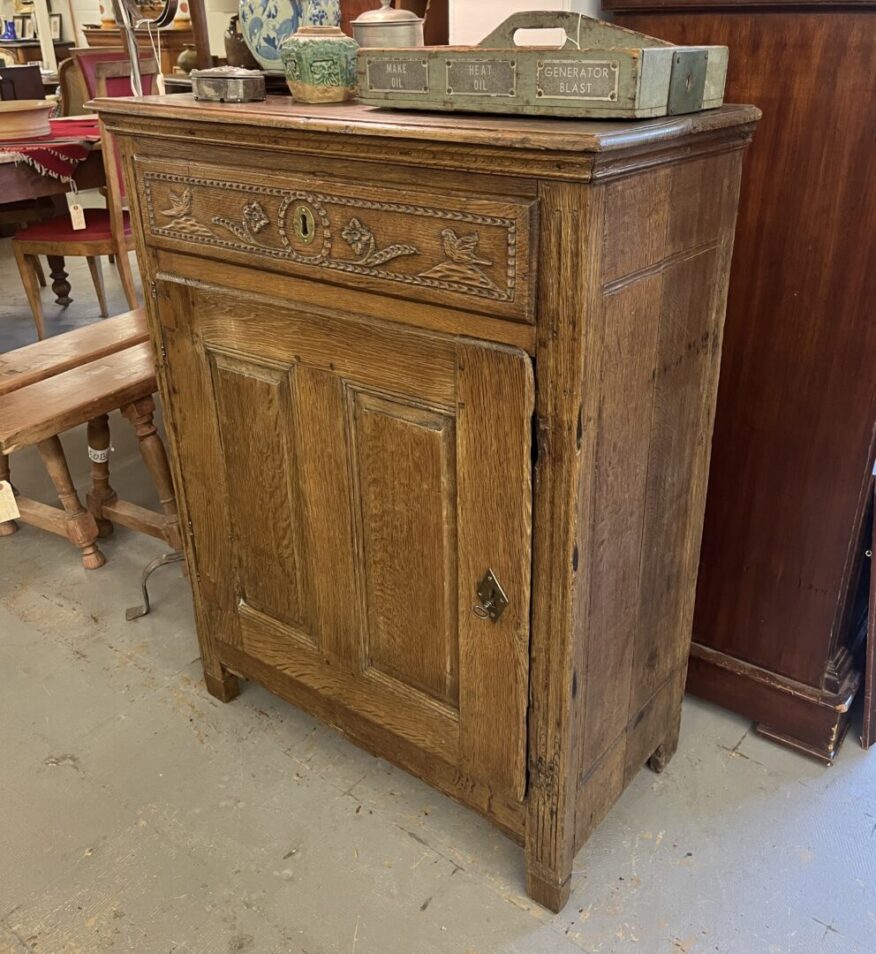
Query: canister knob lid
387	15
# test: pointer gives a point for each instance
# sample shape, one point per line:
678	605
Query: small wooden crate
602	71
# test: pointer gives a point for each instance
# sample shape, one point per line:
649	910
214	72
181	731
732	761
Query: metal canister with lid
388	28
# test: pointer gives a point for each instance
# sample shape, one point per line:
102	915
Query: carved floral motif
361	239
464	269
254	221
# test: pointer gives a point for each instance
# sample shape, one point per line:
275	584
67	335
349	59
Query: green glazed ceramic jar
320	60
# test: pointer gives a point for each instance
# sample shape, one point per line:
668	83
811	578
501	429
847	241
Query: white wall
472	20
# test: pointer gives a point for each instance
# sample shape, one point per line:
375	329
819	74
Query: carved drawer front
455	250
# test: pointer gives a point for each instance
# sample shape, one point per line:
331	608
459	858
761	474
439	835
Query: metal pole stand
135	612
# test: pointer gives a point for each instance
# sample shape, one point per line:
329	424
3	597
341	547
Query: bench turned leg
101	492
81	526
7	527
140	414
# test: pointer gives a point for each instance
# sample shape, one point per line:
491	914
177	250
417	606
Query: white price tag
77	215
8	506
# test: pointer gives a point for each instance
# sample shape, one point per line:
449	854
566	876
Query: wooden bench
59	383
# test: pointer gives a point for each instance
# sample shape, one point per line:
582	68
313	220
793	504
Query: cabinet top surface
558	135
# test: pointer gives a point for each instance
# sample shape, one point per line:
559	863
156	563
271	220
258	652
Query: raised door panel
260	473
366	478
404	466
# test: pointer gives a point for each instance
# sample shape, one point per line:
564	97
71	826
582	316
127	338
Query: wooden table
30	51
18	183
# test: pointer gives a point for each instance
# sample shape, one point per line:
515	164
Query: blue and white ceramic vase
265	24
8	30
320	60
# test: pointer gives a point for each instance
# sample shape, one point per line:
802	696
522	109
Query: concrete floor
139	814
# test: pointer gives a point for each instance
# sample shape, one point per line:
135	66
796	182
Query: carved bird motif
180	204
462	248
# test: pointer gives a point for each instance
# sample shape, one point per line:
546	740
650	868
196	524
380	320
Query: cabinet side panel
652	405
624	413
687	359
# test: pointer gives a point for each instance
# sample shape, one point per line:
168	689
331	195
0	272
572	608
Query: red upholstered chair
102	81
107	231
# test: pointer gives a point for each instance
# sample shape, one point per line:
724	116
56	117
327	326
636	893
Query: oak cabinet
440	403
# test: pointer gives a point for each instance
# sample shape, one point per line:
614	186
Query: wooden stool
56	384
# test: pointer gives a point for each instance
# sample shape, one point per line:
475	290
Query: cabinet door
349	484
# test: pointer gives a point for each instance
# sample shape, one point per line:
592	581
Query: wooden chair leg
123	264
81	526
140	414
7	527
97	279
60	286
31	287
38	268
101	492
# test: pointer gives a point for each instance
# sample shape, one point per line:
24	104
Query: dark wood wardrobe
778	630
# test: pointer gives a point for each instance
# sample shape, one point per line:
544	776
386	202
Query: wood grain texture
54	405
261	479
467	252
36	362
405	460
346	472
646	417
494	477
528	148
567	359
425	443
797	403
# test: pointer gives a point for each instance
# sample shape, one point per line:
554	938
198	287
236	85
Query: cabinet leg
663	754
550	837
225	686
81	526
101	492
7	527
548	890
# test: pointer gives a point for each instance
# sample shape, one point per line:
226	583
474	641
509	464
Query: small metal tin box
387	28
228	84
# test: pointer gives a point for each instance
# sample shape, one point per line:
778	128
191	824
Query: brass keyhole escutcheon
305	224
492	599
